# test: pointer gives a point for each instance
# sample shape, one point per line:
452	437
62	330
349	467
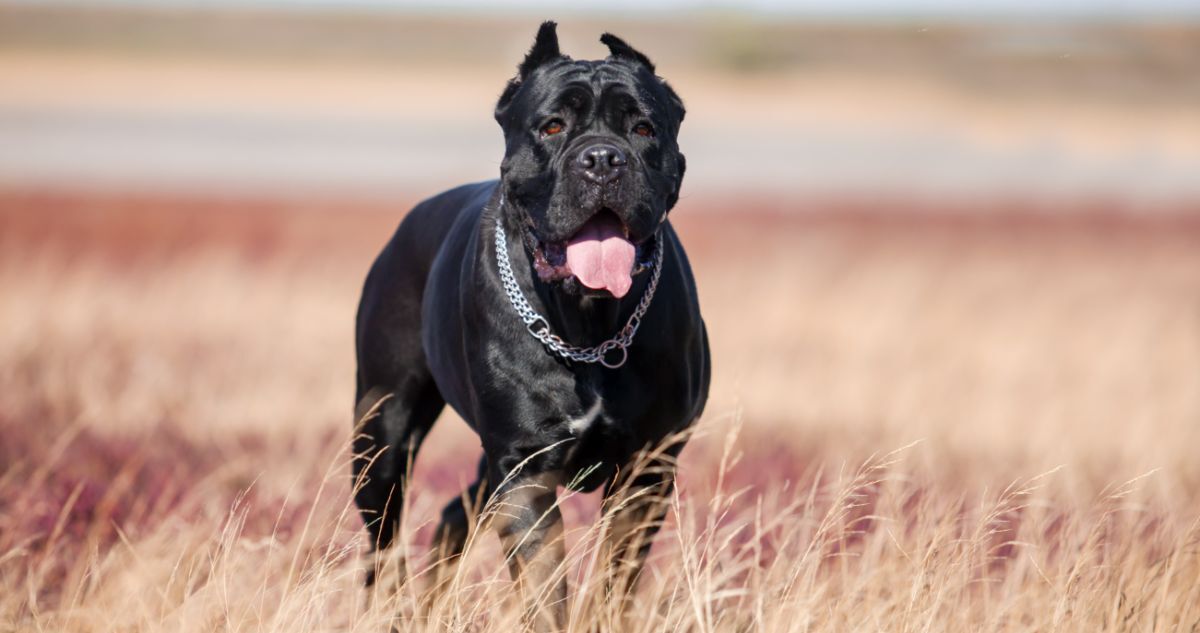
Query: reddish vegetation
163	225
176	379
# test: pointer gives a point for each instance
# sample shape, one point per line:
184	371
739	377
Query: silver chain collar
539	327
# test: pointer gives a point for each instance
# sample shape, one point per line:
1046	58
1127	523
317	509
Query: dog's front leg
636	507
530	527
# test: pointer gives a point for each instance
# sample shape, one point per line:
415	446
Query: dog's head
591	164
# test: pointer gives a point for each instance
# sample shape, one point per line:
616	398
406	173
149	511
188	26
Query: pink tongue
601	257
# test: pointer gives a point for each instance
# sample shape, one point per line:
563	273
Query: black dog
577	228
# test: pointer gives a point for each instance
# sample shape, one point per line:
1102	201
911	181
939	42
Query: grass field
925	420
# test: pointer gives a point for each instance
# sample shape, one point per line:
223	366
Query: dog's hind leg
397	399
391	424
450	538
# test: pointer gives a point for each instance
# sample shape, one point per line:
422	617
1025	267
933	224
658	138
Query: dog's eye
643	129
552	128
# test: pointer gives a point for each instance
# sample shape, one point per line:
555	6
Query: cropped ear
544	50
621	50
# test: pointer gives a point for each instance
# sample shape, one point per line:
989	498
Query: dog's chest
597	416
612	411
601	428
596	439
581	424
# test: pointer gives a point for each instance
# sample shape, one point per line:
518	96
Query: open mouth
599	256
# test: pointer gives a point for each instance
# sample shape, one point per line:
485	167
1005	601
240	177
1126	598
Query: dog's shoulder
432	217
424	228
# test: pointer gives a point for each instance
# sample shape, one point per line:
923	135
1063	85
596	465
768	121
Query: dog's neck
584	320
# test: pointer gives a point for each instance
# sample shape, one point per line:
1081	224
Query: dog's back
395	285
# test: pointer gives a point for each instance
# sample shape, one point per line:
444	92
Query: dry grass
176	386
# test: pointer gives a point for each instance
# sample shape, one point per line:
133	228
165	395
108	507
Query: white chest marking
580	424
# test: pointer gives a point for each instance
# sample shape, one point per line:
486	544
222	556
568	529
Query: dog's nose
601	163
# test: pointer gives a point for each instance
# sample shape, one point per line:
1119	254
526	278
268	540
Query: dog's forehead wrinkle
594	70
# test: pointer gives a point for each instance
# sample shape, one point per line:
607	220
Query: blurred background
976	226
1047	100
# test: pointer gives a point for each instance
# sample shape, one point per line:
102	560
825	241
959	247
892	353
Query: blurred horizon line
853	10
126	93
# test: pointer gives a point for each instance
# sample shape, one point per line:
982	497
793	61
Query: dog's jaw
549	261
